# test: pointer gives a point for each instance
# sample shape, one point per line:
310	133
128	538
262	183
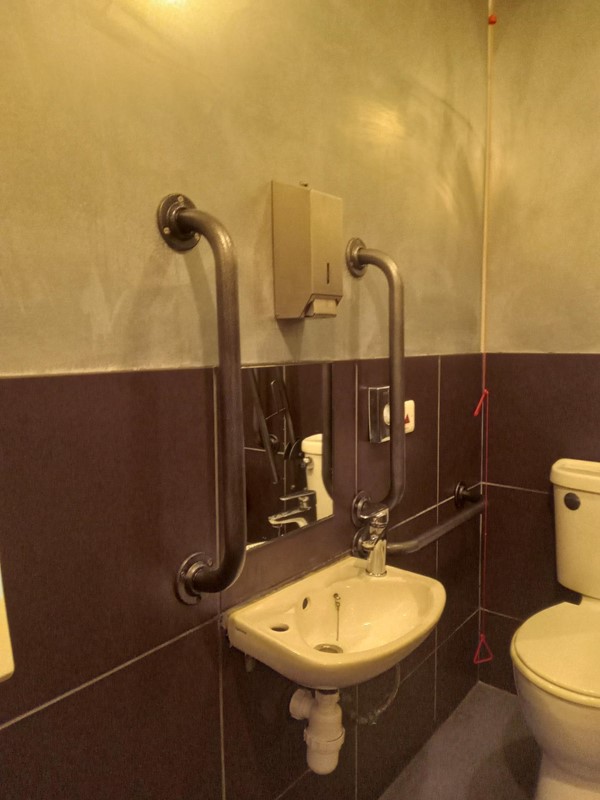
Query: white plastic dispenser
7	665
308	252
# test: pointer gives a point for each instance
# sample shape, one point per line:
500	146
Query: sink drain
329	648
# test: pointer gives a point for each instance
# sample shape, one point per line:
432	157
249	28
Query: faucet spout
294	515
302	514
372	542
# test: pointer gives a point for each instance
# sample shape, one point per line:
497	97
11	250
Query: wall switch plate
379	414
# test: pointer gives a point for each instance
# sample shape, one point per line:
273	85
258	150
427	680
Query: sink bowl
338	626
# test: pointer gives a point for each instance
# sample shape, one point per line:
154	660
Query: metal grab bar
182	225
435	533
358	257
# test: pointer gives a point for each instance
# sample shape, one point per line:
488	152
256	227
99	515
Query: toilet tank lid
313	445
573	474
562	645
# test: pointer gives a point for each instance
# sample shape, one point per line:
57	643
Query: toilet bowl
556	652
556	659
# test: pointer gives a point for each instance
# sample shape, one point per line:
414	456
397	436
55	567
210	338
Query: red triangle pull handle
483	654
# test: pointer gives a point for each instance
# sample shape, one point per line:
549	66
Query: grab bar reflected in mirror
182	225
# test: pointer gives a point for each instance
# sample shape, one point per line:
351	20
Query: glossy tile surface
456	672
521	553
107	485
542	408
460	430
132	735
385	748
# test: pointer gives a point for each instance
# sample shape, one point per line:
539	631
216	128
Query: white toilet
556	653
312	447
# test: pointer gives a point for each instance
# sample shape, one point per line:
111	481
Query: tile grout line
9	723
292	784
462	625
500	614
516	488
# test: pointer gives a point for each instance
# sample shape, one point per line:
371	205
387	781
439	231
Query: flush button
572	501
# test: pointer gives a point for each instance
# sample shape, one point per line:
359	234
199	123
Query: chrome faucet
372	542
300	515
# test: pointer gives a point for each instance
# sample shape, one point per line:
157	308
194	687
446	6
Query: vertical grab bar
182	225
358	257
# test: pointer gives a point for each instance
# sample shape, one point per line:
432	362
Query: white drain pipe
324	735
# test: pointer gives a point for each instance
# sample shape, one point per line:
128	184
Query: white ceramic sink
295	630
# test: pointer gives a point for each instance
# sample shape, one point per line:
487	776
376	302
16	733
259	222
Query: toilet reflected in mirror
287	445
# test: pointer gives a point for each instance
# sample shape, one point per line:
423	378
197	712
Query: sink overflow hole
305	603
329	648
280	628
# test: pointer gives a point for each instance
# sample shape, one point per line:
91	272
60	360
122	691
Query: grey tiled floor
484	750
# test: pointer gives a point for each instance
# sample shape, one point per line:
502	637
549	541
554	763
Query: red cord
483	653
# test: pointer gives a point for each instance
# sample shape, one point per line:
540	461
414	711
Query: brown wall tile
460	431
264	746
106	485
148	731
521	553
109	484
542	407
456	673
458	571
386	748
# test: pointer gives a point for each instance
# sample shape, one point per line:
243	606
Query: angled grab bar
435	533
358	257
182	225
263	430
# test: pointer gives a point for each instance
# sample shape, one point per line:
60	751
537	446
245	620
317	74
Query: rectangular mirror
287	446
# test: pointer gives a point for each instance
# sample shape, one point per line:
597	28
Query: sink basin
338	626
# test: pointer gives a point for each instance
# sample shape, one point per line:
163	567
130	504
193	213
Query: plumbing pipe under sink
324	735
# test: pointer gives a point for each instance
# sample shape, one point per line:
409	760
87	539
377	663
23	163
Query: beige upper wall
110	104
544	247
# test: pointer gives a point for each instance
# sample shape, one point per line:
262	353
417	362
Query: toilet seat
559	650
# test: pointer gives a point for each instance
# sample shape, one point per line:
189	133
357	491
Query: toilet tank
577	524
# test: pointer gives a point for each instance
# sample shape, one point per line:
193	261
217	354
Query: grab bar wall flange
182	225
358	257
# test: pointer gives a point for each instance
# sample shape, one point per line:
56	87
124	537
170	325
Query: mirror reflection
287	446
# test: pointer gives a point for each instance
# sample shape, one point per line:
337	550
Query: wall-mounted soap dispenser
7	666
308	252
